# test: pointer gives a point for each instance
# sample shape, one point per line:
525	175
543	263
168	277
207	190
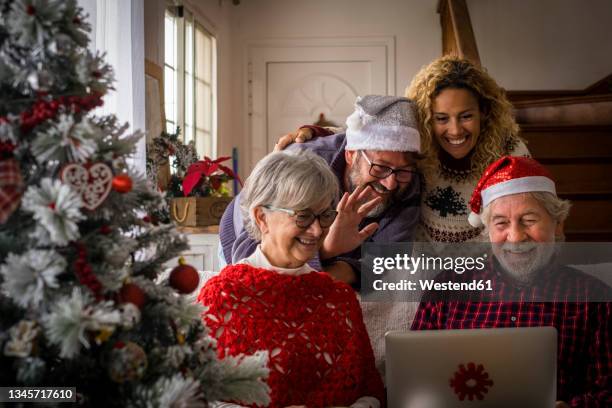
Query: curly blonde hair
499	132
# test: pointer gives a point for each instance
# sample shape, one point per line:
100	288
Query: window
170	71
190	72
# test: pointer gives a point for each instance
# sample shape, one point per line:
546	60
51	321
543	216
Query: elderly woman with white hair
310	324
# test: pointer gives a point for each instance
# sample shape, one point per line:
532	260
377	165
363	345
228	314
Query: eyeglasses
305	218
381	172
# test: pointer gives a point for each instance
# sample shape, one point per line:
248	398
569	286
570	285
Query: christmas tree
81	301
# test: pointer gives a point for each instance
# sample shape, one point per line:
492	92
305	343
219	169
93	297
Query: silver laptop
497	368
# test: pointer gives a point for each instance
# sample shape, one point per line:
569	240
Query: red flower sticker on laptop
471	382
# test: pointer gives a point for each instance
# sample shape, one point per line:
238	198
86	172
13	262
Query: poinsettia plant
207	177
189	177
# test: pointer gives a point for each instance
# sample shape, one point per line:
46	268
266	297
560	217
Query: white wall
413	23
544	44
525	44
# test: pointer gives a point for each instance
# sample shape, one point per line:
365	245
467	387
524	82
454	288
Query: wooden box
198	211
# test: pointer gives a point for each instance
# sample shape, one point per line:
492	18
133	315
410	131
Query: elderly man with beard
516	201
375	164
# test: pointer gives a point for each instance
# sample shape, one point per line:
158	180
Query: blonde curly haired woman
466	124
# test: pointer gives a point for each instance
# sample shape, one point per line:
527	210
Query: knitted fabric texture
445	208
383	123
381	317
311	326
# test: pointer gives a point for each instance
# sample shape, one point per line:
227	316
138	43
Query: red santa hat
508	175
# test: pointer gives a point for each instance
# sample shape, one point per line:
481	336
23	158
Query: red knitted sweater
311	325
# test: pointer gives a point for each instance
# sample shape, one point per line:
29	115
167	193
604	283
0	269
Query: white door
293	81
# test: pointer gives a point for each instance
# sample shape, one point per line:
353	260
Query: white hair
556	207
288	179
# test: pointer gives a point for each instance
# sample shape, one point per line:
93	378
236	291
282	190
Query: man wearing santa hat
517	203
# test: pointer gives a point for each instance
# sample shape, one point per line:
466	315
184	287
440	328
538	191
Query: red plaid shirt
584	377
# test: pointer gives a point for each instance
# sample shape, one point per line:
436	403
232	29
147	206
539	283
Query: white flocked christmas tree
81	301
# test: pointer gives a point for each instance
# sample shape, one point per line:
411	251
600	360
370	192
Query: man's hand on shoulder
299	136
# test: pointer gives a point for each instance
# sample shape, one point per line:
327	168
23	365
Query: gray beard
378	210
354	182
524	268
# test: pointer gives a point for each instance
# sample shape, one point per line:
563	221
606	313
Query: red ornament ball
184	278
122	183
131	293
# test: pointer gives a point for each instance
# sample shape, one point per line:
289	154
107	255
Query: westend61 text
429	284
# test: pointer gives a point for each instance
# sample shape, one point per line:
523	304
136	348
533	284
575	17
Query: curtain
118	30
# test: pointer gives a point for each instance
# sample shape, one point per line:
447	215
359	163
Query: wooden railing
591	106
601	88
570	132
457	34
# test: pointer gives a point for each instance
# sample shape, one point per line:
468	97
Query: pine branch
162	244
238	378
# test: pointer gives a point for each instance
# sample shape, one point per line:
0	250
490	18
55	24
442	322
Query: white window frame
205	146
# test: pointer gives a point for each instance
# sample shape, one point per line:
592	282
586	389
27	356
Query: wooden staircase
570	132
580	159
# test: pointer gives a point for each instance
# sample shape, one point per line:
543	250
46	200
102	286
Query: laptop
497	368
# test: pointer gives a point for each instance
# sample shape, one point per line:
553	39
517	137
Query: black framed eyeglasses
381	172
305	218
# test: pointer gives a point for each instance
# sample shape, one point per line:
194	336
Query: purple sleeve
235	241
226	232
401	225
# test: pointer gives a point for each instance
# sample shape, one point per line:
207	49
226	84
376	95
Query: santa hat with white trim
508	175
383	123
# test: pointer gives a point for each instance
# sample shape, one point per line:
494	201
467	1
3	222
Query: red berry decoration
184	278
122	183
131	293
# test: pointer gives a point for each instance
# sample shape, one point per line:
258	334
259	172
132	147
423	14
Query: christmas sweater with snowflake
310	324
446	197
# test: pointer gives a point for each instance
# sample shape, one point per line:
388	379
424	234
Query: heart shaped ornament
92	181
